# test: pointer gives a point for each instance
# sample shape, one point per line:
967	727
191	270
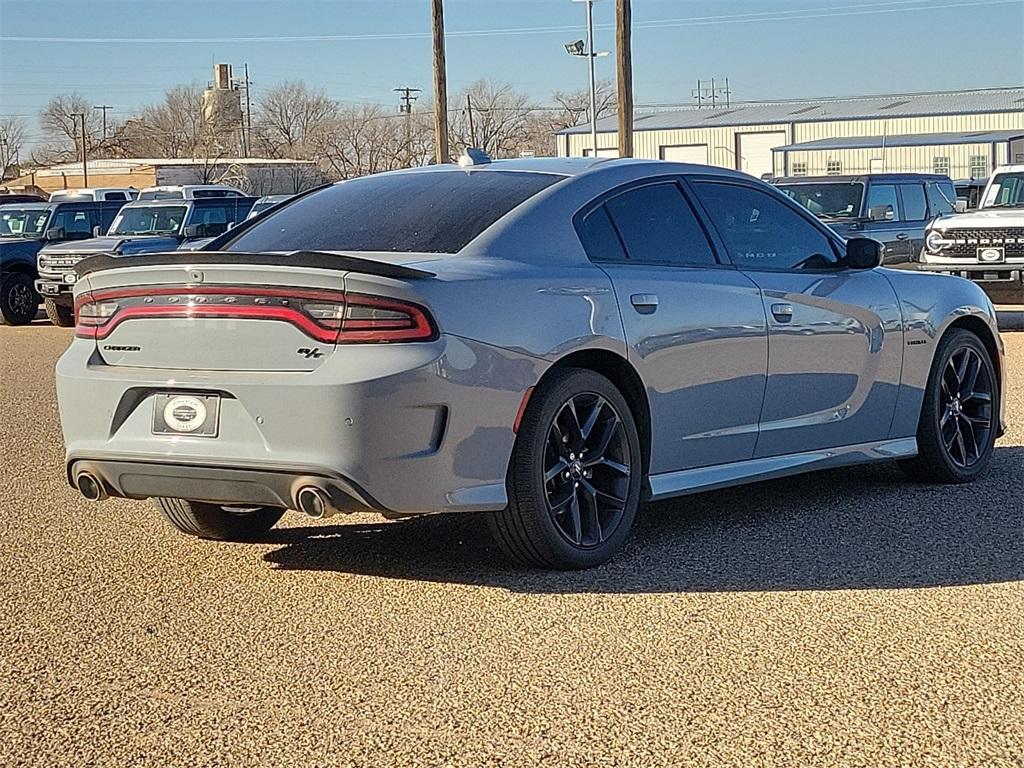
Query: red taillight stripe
417	325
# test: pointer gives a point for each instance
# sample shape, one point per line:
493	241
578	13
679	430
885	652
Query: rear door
695	327
835	346
914	206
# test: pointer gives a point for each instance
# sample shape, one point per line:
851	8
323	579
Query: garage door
693	153
755	151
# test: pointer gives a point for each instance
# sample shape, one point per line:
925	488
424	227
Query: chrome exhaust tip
313	501
90	487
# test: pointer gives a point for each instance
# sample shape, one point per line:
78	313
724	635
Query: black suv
24	229
893	208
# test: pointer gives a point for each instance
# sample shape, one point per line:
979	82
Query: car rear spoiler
318	259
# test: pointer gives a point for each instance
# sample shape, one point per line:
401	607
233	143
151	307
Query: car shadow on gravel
855	528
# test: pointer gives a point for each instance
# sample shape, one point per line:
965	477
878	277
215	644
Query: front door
888	229
834	334
695	328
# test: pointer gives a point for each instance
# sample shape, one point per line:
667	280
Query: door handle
644	303
782	312
901	236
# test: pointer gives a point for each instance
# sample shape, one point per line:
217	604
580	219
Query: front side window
762	232
658	226
883	196
426	212
74	223
149	220
914	206
212	220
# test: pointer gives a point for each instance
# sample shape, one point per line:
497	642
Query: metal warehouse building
959	133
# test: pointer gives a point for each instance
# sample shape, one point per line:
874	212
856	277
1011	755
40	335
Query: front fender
931	304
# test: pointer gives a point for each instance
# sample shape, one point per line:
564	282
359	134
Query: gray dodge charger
547	342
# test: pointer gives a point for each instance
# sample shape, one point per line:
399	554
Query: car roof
860	177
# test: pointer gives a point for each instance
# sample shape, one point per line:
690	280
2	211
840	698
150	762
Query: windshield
827	200
23	222
149	220
1007	191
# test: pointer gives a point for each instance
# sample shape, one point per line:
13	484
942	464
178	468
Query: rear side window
599	238
914	207
657	226
431	212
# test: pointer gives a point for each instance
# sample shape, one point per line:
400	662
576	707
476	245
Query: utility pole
85	152
405	108
440	84
247	128
103	108
593	83
472	128
624	74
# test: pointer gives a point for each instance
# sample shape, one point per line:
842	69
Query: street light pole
593	85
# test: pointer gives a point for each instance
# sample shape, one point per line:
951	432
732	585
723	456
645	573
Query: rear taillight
326	316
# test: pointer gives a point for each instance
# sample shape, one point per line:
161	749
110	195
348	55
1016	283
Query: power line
890	6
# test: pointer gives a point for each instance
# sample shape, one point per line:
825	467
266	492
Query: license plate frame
186	414
999	251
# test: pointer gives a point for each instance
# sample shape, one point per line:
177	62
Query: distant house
259	176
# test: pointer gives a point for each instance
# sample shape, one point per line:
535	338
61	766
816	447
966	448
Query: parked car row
40	242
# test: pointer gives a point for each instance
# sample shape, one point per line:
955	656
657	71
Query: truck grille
966	242
59	262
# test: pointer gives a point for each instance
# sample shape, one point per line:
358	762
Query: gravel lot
845	618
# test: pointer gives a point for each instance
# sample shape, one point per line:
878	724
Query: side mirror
863	253
97	231
880	213
55	233
960	206
192	230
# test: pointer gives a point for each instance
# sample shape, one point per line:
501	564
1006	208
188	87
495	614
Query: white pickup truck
986	245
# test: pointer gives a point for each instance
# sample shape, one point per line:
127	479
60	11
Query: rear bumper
402	428
276	487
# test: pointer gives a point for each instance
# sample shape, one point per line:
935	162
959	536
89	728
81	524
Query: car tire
575	476
956	433
213	521
60	315
19	302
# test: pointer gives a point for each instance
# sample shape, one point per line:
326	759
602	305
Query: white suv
94	193
986	245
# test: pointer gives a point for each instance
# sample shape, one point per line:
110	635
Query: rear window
439	212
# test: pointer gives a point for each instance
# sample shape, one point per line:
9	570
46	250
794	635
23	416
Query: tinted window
762	232
941	196
657	226
914	207
199	194
74	223
599	238
431	212
827	200
883	194
212	220
114	196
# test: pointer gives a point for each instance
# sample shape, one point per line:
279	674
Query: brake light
326	316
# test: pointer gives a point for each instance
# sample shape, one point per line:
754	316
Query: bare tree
289	116
173	128
367	138
61	130
576	104
501	119
12	139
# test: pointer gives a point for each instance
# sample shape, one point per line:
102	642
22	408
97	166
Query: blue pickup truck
26	228
143	226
